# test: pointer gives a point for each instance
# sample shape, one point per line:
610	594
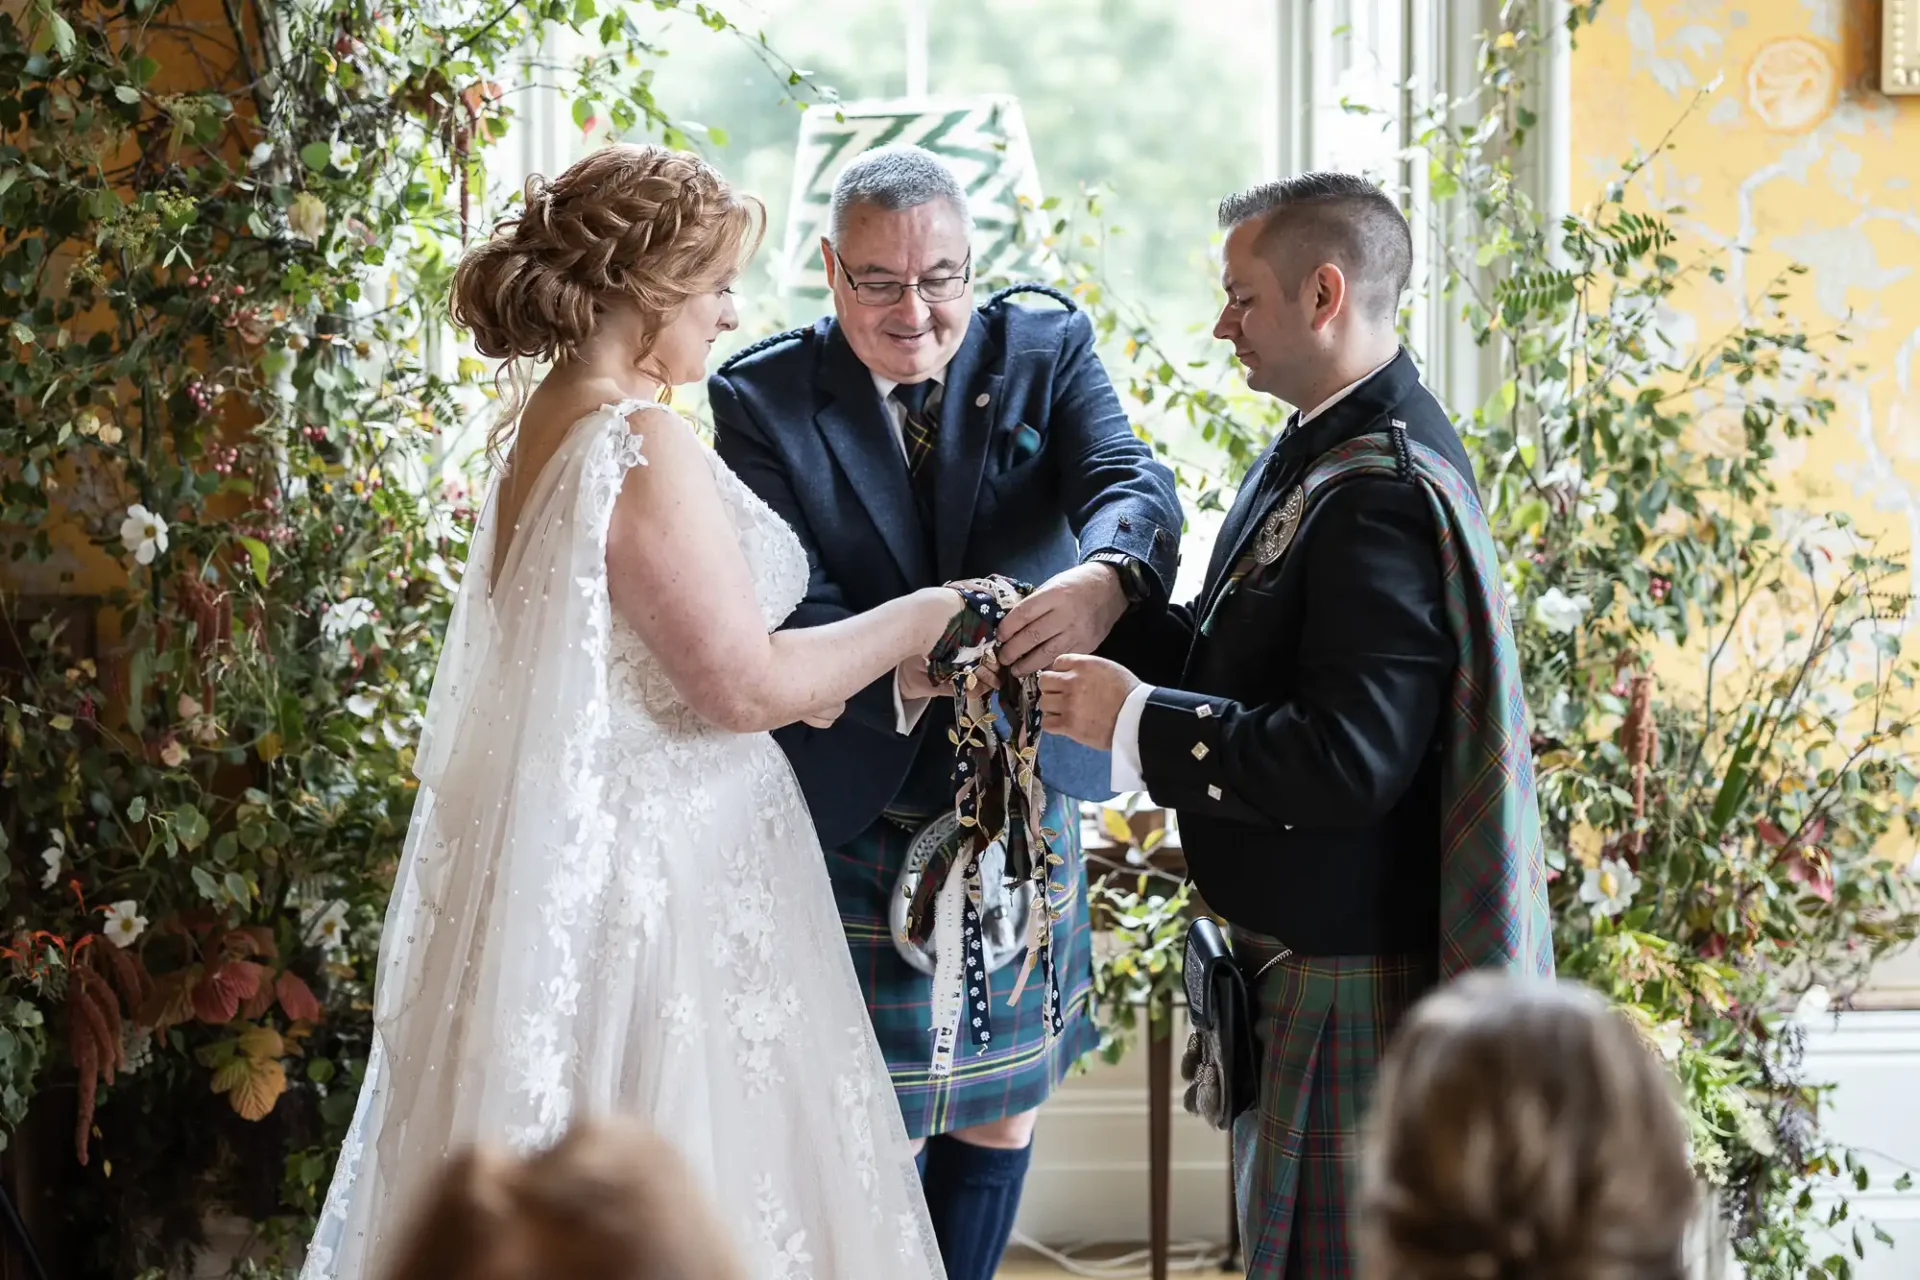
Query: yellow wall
1798	155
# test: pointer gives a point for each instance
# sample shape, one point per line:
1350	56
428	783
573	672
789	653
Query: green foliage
225	236
1720	842
1140	913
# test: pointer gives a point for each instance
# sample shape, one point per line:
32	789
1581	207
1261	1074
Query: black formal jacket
1297	735
1037	468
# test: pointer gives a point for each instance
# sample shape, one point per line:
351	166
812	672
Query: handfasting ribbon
997	796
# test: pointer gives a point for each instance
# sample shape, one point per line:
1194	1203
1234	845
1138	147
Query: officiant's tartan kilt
1020	1070
1323	1023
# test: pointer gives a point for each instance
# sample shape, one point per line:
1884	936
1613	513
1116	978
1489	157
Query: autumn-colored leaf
261	1042
231	1074
1812	870
1770	833
258	1003
297	998
170	1001
218	997
263	943
1115	825
255	1097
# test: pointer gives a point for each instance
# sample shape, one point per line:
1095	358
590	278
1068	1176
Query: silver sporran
1004	909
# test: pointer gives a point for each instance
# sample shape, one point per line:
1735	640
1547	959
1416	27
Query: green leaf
22	334
190	825
717	134
126	93
237	887
63	42
257	552
209	887
137	809
1734	788
315	156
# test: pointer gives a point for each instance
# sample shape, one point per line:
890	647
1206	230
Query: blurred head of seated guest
1523	1131
610	1201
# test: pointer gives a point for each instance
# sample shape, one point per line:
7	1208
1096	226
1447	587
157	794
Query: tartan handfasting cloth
997	797
1493	876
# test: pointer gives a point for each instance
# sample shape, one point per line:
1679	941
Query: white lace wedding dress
608	905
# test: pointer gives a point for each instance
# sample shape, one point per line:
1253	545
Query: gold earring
664	395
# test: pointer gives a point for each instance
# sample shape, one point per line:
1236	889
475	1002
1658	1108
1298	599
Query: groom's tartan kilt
1323	1023
1021	1069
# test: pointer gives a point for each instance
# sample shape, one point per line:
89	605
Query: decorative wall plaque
983	138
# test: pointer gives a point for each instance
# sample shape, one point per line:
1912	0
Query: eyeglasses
885	293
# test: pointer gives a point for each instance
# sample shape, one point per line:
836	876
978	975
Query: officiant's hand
1080	698
1072	613
824	717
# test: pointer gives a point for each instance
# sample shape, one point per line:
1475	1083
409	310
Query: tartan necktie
920	433
922	429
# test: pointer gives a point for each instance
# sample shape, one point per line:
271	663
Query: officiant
914	438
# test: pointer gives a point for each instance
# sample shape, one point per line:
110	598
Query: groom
912	439
1338	718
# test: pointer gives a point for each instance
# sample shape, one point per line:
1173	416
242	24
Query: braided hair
636	224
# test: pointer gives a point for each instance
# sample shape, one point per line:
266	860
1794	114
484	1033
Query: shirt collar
886	385
1302	419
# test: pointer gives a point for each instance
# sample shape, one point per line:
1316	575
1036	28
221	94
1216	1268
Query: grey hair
895	178
1340	218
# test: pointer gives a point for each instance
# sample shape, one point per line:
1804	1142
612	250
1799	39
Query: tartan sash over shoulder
1493	881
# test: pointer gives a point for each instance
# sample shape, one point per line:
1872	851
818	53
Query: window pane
1356	87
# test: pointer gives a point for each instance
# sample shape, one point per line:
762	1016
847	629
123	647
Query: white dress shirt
906	711
1127	774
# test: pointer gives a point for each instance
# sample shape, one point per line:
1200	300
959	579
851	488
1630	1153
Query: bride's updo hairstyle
1524	1131
610	1201
631	224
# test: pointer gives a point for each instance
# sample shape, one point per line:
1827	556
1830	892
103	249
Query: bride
612	898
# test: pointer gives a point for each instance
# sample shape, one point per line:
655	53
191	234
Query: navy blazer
1037	468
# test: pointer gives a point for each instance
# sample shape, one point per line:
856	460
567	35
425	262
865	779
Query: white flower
1668	1038
1559	612
54	856
144	533
341	158
328	929
173	755
125	923
1609	887
1814	1005
346	617
262	153
363	706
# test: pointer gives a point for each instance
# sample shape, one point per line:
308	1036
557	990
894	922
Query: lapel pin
982	400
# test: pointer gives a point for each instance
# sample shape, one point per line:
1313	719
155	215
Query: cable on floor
1191	1257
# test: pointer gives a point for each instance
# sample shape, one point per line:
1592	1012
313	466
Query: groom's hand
1072	613
1080	698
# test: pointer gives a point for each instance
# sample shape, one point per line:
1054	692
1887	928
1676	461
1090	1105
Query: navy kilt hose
1020	1069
